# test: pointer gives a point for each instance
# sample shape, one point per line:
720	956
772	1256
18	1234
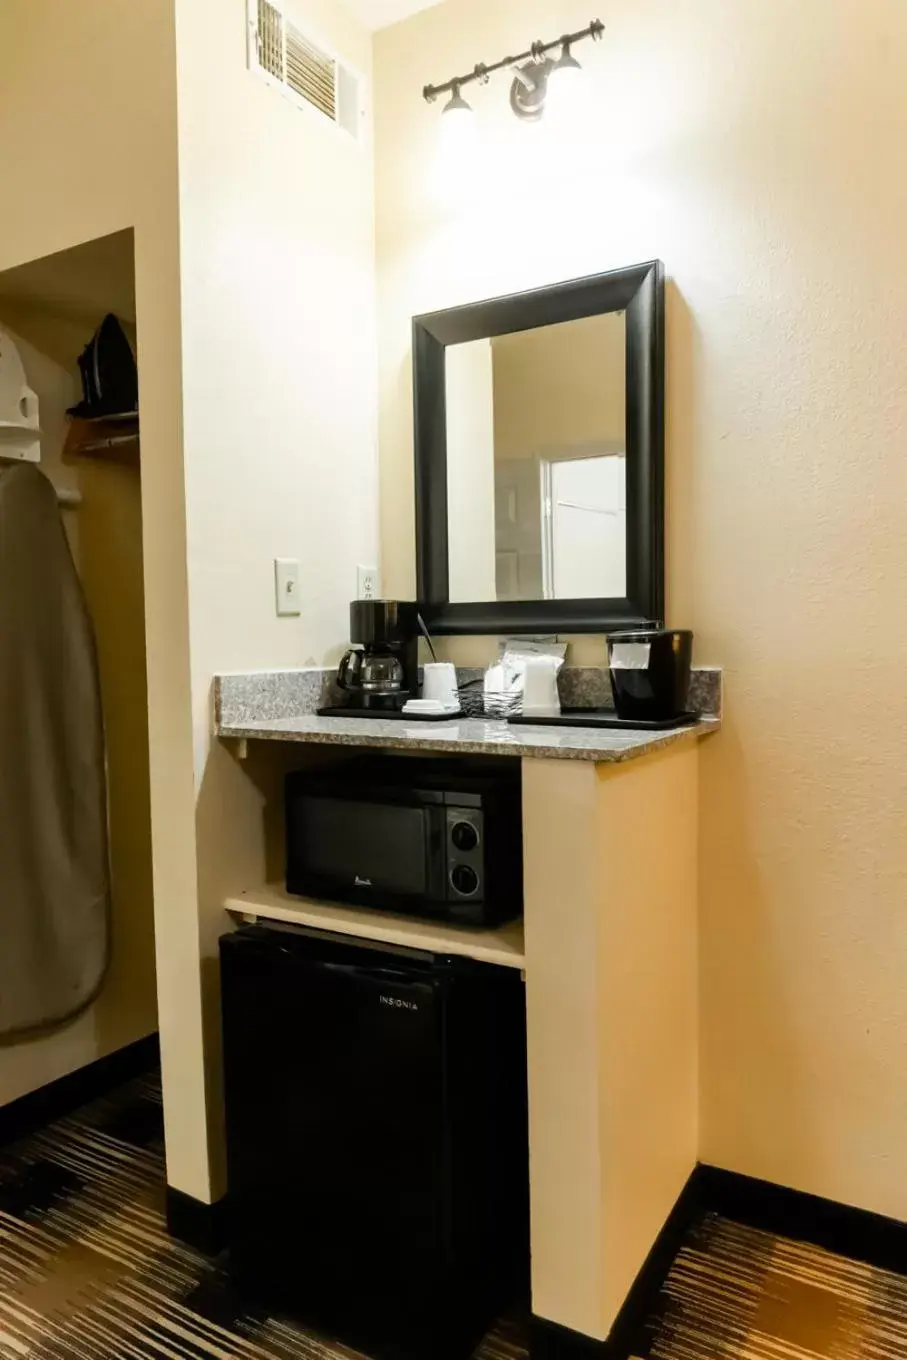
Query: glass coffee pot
376	678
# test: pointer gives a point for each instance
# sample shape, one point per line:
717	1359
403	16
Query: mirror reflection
536	463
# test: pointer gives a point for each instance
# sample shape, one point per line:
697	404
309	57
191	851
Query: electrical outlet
369	584
286	586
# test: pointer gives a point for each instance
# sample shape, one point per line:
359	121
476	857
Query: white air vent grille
270	39
302	69
311	74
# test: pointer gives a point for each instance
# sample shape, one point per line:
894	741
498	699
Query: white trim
547	529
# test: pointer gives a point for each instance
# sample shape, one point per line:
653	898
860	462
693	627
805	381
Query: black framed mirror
539	448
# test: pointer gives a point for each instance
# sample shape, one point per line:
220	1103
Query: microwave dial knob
465	837
465	880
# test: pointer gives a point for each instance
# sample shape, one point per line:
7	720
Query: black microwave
440	838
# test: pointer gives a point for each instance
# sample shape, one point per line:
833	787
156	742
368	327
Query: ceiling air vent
302	69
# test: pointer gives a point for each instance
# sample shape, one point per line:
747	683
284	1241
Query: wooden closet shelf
111	439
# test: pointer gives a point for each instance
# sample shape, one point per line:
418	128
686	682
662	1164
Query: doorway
584	527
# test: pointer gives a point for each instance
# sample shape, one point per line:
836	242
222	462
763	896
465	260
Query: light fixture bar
538	52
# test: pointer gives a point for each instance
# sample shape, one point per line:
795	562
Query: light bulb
458	133
567	90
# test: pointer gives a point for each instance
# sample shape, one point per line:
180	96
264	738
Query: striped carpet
736	1293
87	1272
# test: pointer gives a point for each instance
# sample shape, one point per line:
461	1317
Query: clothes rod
104	445
67	497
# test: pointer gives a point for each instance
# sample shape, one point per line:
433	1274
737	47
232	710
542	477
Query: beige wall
279	383
268	323
561	387
753	147
110	536
611	991
88	138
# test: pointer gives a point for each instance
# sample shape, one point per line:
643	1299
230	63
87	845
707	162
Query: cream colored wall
753	148
88	139
279	384
561	387
611	993
110	529
273	337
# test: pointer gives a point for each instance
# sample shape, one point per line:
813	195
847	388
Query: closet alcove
50	308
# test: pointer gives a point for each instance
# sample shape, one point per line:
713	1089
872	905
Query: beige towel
54	877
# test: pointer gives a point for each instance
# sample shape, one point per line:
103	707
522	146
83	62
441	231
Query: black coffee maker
382	671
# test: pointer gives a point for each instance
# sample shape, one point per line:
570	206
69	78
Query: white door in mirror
286	586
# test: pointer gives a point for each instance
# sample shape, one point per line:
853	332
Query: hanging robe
54	869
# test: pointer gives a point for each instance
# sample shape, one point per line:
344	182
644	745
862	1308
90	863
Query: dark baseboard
628	1335
857	1233
39	1108
200	1225
549	1341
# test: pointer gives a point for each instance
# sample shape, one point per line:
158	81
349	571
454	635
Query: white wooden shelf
20	431
12	430
503	946
19	443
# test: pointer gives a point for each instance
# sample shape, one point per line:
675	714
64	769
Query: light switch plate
286	586
369	583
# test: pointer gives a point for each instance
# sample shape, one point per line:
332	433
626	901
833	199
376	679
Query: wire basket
476	703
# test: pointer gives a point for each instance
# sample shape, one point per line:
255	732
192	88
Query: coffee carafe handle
350	669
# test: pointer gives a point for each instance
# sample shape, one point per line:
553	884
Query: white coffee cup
439	681
540	693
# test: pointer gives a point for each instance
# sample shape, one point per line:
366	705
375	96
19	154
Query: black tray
385	714
605	717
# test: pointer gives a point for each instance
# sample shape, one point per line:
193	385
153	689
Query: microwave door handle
436	853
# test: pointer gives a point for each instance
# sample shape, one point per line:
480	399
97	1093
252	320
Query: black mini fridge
376	1138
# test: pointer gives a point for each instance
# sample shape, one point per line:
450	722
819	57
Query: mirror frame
639	291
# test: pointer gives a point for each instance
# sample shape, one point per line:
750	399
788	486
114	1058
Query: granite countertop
467	736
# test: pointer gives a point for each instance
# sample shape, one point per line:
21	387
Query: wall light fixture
533	71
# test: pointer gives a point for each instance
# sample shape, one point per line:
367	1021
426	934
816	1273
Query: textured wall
255	302
757	149
560	387
280	439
